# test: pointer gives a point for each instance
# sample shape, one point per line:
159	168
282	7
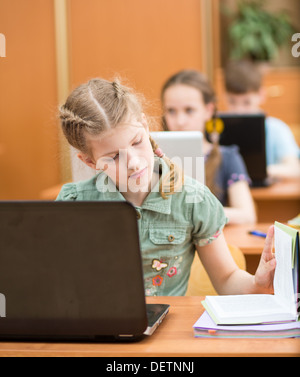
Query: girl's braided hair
100	105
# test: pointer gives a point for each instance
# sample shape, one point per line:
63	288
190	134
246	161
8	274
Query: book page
245	305
283	278
293	233
246	309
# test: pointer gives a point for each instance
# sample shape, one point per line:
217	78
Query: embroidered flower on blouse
172	271
157	281
206	241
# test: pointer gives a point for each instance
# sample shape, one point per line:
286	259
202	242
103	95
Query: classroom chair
199	282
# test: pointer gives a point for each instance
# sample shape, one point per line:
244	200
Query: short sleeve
231	170
68	192
234	167
280	141
208	219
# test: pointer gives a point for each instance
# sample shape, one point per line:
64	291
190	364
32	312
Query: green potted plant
256	33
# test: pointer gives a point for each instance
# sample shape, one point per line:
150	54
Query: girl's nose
180	120
134	162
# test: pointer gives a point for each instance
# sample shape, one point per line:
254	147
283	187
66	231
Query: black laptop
72	271
248	133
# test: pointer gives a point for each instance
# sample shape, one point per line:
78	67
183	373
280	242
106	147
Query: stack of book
260	316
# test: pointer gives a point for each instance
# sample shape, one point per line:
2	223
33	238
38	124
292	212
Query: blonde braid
72	127
171	182
120	93
67	116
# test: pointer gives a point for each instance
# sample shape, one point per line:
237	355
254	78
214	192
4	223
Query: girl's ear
210	109
87	160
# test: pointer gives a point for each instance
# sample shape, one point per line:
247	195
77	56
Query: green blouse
169	228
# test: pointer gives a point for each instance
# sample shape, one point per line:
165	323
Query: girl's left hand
264	275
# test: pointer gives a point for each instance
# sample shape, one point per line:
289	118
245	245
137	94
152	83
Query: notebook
248	133
185	149
205	327
72	271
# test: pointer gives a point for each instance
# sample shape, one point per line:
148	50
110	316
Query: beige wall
143	41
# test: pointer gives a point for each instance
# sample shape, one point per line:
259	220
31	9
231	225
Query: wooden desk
173	338
238	235
280	201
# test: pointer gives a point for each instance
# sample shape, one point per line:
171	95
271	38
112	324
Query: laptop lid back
184	148
70	270
247	132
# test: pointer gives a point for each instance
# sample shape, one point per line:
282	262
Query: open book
254	309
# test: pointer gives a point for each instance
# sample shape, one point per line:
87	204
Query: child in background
244	95
105	122
189	102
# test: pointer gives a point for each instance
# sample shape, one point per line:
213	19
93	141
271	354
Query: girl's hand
264	275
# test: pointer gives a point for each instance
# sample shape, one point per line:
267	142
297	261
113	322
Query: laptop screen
71	268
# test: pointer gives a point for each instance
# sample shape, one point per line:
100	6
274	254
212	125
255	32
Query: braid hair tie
118	89
159	153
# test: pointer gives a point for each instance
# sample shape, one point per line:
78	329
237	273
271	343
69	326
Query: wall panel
143	41
28	129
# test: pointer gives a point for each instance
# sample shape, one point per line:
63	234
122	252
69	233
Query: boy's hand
264	275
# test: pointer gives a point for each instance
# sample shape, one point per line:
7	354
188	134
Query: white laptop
185	149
